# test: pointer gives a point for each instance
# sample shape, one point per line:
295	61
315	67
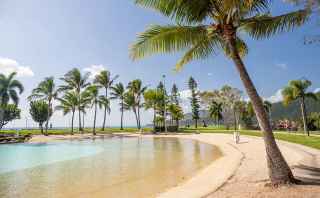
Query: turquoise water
111	167
22	156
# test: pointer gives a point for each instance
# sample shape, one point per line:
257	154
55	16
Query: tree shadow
308	175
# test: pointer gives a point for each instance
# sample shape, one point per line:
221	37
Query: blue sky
43	38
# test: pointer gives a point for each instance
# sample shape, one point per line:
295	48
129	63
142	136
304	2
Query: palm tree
176	113
8	89
297	90
136	89
215	111
92	94
46	90
69	103
152	99
105	80
207	26
118	92
129	103
75	81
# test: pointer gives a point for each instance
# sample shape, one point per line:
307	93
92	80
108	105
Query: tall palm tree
176	113
92	94
136	89
207	26
297	90
46	90
152	100
9	87
69	103
129	103
75	81
215	111
105	80
118	92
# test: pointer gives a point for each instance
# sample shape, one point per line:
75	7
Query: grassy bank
298	138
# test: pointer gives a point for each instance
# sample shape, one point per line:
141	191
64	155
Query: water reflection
126	167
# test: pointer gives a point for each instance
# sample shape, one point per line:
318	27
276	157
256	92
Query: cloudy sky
41	38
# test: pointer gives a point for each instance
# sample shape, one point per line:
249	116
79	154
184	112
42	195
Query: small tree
194	99
40	111
8	113
215	111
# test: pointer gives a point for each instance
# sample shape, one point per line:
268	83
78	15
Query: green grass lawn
298	138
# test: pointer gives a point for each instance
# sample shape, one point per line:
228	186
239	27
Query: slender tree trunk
48	118
196	123
235	120
304	116
279	171
79	113
139	123
72	122
154	118
136	115
83	125
94	119
105	113
41	128
121	124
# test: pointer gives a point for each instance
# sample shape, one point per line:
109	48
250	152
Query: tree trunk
72	122
41	128
154	118
279	171
94	119
105	113
79	109
196	124
139	124
304	116
121	124
136	115
235	120
48	118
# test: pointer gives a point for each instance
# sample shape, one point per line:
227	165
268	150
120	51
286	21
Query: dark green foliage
194	100
8	113
39	111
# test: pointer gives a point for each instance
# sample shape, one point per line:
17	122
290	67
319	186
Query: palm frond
165	39
191	11
264	26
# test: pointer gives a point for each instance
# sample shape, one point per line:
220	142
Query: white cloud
209	74
316	90
184	100
277	97
8	66
185	94
94	70
282	65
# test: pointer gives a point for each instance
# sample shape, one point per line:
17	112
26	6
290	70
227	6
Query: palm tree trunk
136	115
41	128
154	118
72	122
304	116
235	120
105	113
279	171
196	125
121	124
94	119
79	113
139	124
48	118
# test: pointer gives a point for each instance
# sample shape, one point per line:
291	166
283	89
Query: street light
164	99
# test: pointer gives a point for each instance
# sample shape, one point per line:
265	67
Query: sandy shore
241	171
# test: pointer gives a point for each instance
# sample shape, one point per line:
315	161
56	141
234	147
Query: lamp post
164	100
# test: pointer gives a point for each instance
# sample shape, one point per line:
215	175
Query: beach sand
241	171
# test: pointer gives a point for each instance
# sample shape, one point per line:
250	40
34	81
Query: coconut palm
215	111
129	103
206	26
176	113
105	80
47	91
8	89
75	81
152	99
118	92
91	94
297	90
69	103
136	89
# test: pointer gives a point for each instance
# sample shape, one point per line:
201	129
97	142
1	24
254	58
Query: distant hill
293	111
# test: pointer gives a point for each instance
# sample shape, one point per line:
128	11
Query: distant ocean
57	128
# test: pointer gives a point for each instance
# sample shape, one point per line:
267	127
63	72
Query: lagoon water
112	167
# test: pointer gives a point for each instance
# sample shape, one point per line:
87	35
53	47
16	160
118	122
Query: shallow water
113	167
